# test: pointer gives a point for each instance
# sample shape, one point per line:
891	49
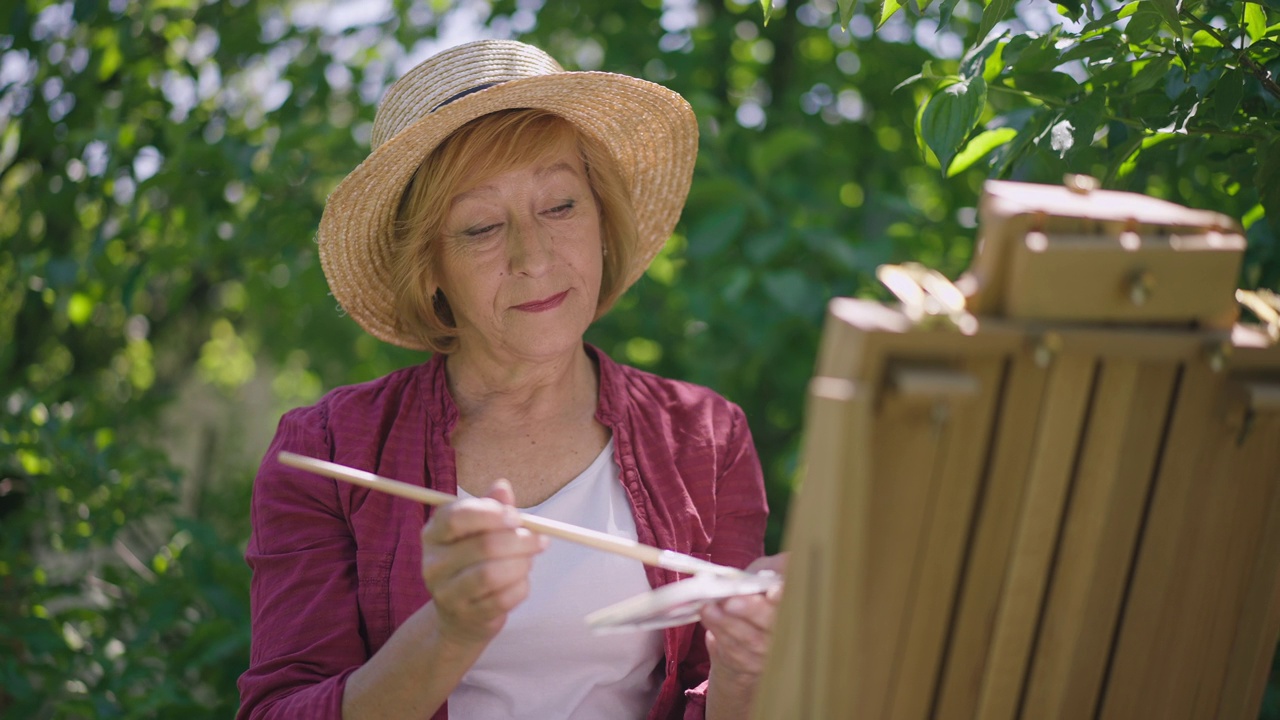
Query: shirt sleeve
306	637
741	514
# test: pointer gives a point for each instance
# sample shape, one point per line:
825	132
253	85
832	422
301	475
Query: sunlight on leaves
140	358
950	115
643	352
666	265
295	383
225	361
1255	21
979	147
79	309
887	9
852	195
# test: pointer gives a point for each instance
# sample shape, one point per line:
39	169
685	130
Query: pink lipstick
544	304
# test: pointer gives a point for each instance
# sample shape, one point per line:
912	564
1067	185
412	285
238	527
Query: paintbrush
647	554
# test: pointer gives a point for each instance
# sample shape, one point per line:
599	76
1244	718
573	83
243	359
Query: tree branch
1242	55
1144	128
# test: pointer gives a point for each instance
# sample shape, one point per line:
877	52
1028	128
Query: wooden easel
1067	506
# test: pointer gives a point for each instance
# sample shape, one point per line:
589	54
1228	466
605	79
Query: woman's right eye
480	230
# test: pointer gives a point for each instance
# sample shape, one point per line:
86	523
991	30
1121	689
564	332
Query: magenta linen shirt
336	568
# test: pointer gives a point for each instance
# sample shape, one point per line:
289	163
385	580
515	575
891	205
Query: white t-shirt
545	664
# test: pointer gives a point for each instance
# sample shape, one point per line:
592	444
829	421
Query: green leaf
1086	115
1054	85
1255	21
974	62
913	79
979	147
945	10
1008	155
1071	8
1134	151
1111	77
950	115
887	10
1033	53
1226	97
1266	42
926	73
1102	47
1144	24
1110	18
1148	75
1169	10
995	11
1202	39
846	12
766	7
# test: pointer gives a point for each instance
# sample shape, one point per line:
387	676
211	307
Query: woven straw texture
650	130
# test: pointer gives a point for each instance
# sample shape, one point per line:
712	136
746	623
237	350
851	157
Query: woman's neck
486	387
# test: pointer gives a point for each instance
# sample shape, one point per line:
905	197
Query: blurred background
164	163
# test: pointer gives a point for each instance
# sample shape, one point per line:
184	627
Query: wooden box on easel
1067	507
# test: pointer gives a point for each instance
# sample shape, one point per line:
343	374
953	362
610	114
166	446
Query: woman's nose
529	248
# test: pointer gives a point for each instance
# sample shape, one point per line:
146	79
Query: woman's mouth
547	303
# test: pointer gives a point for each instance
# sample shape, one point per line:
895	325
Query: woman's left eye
559	210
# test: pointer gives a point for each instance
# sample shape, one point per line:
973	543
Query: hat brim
650	131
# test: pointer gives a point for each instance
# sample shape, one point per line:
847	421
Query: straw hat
650	131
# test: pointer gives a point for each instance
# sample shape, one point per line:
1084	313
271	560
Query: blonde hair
487	146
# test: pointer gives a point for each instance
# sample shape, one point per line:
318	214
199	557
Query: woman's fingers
742	624
775	563
495	586
468	517
738	632
441	562
483	578
476	560
502	492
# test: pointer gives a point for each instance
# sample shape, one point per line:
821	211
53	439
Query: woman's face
520	259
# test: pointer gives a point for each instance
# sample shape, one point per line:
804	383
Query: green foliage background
163	165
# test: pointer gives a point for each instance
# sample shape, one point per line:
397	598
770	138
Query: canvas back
1066	517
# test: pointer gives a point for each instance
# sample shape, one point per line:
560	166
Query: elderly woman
506	206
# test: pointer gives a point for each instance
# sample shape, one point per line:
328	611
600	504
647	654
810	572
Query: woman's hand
738	631
475	563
